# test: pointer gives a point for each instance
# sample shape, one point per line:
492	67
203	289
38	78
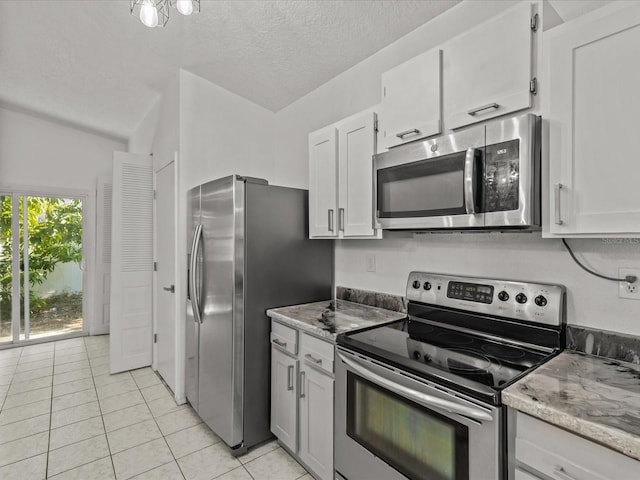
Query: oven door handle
418	397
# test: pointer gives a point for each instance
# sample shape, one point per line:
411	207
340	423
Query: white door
356	147
131	312
165	313
323	179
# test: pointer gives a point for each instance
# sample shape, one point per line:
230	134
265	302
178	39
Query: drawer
561	455
316	352
285	338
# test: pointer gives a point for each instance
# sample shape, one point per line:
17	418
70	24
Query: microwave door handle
470	182
423	399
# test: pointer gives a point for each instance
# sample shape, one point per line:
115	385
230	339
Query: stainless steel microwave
485	177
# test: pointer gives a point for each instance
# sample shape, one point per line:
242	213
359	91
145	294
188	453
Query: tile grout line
113	468
159	429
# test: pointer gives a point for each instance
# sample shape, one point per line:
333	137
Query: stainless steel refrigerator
249	251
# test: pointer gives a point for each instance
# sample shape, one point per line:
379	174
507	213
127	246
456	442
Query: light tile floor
63	416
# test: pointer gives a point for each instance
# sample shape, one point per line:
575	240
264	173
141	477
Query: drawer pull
484	107
560	472
311	358
280	343
413	131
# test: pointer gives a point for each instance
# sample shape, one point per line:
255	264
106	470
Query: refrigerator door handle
193	274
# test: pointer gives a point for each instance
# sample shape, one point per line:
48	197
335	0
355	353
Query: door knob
171	289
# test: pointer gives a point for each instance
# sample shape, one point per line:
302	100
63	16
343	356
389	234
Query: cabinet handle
413	131
290	377
557	189
484	107
341	219
317	361
330	219
559	471
280	343
302	375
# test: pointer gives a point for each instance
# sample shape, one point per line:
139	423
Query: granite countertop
595	397
348	316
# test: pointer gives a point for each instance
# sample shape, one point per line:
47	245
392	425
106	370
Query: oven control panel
534	302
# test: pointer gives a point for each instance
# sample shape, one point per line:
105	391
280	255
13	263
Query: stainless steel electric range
420	398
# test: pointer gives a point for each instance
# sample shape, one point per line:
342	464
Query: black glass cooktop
477	364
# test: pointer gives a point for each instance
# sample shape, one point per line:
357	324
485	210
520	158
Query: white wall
222	133
42	153
591	301
141	141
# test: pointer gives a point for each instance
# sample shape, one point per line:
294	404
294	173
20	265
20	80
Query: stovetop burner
503	351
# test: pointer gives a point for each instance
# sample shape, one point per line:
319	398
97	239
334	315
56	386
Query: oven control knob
540	301
521	298
427	286
416	284
504	296
417	355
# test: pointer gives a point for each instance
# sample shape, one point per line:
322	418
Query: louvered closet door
131	316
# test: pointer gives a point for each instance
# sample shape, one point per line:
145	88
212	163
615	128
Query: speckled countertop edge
349	316
594	397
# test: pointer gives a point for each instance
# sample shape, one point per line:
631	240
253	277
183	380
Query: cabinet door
356	140
410	106
323	180
316	421
283	398
487	71
593	106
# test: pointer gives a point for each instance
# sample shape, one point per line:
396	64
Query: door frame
88	198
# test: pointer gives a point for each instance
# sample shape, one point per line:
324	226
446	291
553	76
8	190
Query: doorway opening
41	267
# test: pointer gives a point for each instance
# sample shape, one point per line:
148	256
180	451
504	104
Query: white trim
39	191
25	262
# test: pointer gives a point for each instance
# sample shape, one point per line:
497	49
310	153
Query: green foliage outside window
55	236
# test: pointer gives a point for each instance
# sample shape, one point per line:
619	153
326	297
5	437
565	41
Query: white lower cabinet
546	452
302	397
316	421
284	370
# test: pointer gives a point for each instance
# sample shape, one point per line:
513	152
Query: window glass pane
418	442
54	261
6	276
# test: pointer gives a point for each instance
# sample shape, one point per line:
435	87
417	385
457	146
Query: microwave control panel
501	177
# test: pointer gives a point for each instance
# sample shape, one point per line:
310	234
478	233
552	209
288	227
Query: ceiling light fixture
155	13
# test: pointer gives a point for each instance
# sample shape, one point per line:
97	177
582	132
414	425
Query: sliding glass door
41	266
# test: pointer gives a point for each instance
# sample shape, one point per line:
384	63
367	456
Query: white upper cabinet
341	179
410	106
356	146
323	182
592	106
488	70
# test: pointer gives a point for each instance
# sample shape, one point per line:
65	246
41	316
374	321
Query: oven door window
426	188
418	442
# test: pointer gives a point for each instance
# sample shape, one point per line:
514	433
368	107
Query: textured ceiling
92	64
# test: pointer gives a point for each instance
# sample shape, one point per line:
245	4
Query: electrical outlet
626	289
371	262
